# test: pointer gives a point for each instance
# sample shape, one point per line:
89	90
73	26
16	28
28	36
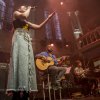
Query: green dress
22	73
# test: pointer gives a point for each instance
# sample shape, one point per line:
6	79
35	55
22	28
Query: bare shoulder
16	13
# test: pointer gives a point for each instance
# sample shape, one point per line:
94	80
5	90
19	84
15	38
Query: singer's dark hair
18	6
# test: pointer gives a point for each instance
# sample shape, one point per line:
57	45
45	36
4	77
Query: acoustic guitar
44	64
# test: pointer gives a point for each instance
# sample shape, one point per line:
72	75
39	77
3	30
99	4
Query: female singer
22	74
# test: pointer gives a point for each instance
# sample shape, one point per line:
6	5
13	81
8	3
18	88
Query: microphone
34	7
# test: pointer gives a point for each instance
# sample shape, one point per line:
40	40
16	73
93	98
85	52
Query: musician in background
79	71
56	71
89	83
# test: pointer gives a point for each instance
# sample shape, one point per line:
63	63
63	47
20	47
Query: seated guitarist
55	70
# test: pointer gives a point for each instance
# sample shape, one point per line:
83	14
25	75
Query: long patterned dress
22	74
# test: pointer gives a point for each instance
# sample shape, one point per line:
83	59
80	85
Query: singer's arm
35	26
22	15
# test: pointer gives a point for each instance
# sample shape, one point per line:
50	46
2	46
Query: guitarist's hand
44	59
64	58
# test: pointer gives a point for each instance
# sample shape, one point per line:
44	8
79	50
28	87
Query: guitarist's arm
60	62
38	56
41	56
62	59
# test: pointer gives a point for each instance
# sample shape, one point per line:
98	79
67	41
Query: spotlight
52	44
67	45
61	3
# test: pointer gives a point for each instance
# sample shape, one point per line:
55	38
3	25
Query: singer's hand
29	7
34	7
51	15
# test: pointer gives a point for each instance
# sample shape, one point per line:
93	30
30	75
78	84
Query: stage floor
85	98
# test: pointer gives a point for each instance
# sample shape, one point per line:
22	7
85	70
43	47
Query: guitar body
43	65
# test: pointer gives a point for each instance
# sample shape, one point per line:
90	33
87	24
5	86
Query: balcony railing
90	39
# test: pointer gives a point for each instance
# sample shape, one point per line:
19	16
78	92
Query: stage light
61	3
52	44
67	45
